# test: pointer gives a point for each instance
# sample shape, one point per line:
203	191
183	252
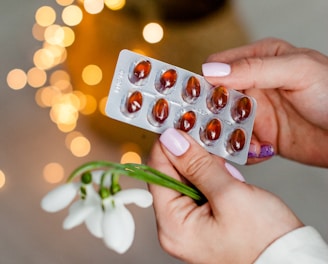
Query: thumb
207	172
256	72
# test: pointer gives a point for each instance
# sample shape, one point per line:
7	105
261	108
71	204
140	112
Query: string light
58	95
53	172
92	74
153	32
2	179
16	79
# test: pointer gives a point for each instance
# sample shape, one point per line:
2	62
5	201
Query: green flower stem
140	172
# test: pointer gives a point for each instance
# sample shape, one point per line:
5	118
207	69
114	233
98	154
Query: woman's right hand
291	88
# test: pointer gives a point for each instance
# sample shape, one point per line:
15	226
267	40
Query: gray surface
29	140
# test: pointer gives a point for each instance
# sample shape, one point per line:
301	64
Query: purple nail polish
174	142
265	152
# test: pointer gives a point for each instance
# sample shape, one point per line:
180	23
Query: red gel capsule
242	109
168	79
134	102
142	69
212	130
191	90
218	99
160	110
237	140
187	121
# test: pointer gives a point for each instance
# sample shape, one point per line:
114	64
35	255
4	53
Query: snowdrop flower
60	197
101	203
118	224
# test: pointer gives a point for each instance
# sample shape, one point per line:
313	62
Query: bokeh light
64	2
90	105
38	32
130	157
69	37
16	79
92	74
54	34
70	137
72	15
36	77
93	6
80	146
2	179
53	172
115	4
153	32
102	105
45	16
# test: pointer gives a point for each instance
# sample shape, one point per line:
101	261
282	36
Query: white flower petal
77	214
96	177
60	197
94	222
140	197
118	229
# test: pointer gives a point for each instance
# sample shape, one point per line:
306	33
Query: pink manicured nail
174	142
234	172
216	69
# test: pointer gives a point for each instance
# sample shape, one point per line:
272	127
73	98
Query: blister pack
155	95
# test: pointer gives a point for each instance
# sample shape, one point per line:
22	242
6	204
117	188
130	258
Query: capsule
242	109
212	130
134	102
192	90
218	99
237	140
160	111
187	121
142	69
168	79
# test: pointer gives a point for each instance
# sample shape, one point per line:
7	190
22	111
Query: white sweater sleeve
301	246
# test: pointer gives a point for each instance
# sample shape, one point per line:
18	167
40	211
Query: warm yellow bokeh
69	37
53	172
38	32
2	179
90	105
80	146
131	157
92	74
93	6
36	77
16	79
45	16
70	137
54	35
72	15
153	33
115	4
64	2
102	105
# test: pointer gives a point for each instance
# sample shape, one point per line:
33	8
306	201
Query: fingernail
266	151
216	69
174	142
234	172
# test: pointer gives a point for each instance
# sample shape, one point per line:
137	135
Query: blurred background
56	63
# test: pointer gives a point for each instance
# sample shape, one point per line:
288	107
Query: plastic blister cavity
155	95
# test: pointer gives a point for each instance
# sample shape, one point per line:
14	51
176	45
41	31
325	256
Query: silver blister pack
155	95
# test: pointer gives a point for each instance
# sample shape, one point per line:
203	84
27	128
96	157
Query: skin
236	224
291	88
239	221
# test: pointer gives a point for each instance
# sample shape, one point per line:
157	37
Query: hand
236	224
291	88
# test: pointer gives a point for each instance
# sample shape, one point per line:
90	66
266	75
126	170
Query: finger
207	172
259	151
264	48
159	161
